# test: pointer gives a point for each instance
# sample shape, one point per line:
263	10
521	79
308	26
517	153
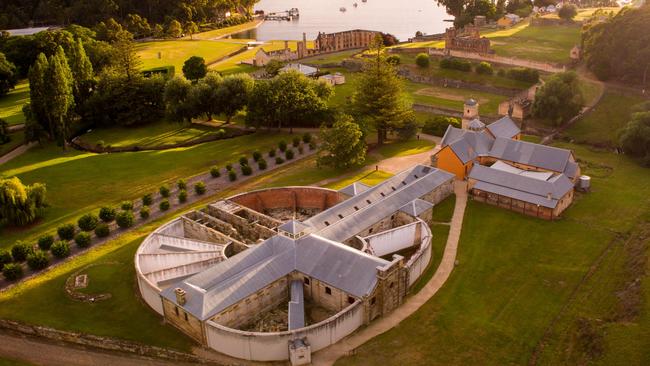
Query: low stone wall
408	51
102	343
454	83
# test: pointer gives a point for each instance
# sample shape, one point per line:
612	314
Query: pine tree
60	93
81	67
38	87
127	60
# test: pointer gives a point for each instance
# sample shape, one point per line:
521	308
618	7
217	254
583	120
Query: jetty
290	14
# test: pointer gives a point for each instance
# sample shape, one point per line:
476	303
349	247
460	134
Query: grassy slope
601	126
177	52
79	182
16	140
11	105
515	274
228	30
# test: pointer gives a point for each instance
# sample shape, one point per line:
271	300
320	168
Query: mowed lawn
175	53
603	124
79	182
17	139
234	65
515	274
11	105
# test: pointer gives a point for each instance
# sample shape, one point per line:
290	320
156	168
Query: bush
66	232
455	64
296	141
164	205
126	206
279	160
262	164
437	125
182	196
125	219
394	60
88	222
312	145
12	271
301	150
484	68
523	74
20	251
289	154
147	199
232	175
83	239
107	214
214	172
145	212
45	242
200	187
228	167
5	258
181	184
246	170
272	153
501	73
422	60
60	249
243	161
38	260
282	145
164	191
306	138
102	230
257	156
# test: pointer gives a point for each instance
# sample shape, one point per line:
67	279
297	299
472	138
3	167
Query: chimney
549	196
181	298
304	38
286	45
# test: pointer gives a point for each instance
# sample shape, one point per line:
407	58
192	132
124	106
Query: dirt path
329	355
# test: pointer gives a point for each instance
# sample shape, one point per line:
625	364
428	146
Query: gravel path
15	152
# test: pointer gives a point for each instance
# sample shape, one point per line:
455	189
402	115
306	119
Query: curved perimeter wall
288	197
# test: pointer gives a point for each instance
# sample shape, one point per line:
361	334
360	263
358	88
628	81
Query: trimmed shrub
164	191
164	205
289	154
102	230
306	138
66	231
246	170
282	145
125	219
262	164
523	74
232	175
107	214
301	150
296	141
145	212
83	239
60	249
228	167
5	258
45	242
88	222
394	60
200	187
279	160
38	260
422	60
484	68
437	125
126	205
214	172
20	251
181	184
12	271
243	161
272	153
182	196
147	199
257	156
455	64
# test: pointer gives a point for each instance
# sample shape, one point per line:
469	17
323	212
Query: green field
516	273
16	140
225	31
602	125
11	105
151	135
331	58
175	53
232	64
79	182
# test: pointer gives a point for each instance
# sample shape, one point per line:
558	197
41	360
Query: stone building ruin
467	39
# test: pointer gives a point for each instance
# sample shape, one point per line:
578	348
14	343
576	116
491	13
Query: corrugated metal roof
297	306
541	156
293	227
504	127
571	169
354	189
463	150
416	207
480	142
476	124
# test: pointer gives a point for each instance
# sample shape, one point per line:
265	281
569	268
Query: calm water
400	18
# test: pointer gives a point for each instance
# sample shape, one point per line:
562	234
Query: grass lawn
177	52
151	135
368	177
232	64
602	125
331	58
11	105
439	235
16	140
516	273
12	362
226	31
583	14
405	148
444	210
79	182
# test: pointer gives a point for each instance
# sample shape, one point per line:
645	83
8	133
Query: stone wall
291	198
453	83
334	300
183	320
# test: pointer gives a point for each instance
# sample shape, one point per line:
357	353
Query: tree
177	99
273	67
82	72
568	12
559	99
137	25
38	93
191	28
379	99
635	137
174	29
234	93
19	204
4	132
108	31
8	75
127	61
342	145
60	98
204	96
422	60
158	31
195	68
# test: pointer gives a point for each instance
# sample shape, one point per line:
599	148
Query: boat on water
343	9
355	5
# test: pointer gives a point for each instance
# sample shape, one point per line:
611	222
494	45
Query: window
327	223
403	183
328	290
373	301
306	280
350	300
356	208
368	201
340	216
393	188
416	176
370	231
186	319
176	310
382	194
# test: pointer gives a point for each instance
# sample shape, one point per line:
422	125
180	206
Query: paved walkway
329	355
16	152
